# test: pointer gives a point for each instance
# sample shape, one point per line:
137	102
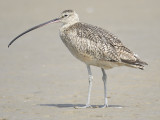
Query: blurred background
39	68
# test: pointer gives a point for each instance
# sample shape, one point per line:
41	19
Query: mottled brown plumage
93	46
98	46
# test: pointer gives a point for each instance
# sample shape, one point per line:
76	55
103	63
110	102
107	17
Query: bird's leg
104	78
90	78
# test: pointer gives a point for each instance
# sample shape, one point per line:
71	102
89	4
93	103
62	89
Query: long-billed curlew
93	46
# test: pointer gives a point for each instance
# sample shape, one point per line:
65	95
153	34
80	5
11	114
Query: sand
41	80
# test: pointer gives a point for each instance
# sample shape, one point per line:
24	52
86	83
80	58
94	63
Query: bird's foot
104	106
86	106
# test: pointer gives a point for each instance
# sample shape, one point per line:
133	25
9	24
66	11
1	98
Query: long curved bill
33	28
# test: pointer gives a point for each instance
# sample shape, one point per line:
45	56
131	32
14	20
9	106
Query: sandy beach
41	80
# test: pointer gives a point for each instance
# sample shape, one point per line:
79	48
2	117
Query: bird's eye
65	15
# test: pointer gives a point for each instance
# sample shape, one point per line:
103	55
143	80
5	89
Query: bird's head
69	16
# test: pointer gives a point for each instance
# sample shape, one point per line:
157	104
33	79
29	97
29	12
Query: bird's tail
140	64
136	64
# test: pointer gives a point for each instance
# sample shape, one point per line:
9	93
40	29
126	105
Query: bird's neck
66	25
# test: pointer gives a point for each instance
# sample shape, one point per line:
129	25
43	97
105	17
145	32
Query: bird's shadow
79	105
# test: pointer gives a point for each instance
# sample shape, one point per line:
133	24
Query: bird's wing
124	54
94	41
102	45
116	45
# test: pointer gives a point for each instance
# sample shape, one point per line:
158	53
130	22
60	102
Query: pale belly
91	60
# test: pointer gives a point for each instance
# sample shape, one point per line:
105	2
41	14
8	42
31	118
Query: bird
94	46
